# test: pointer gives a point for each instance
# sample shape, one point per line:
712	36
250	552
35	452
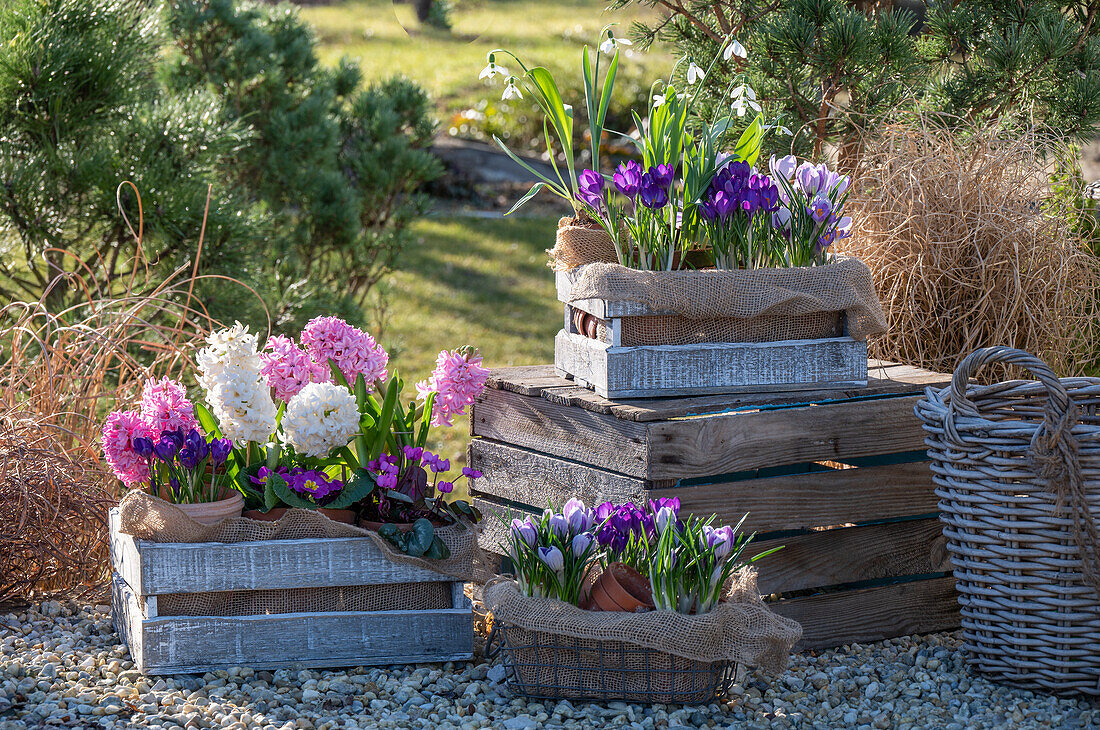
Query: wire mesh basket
1017	471
544	665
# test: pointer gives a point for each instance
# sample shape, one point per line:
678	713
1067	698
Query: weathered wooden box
840	477
289	573
617	370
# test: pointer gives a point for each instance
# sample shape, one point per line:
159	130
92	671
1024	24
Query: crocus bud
143	446
581	543
525	531
664	517
577	515
552	557
166	448
219	450
559	525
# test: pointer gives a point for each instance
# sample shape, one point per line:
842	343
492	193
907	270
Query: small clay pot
270	516
586	324
621	588
211	513
347	516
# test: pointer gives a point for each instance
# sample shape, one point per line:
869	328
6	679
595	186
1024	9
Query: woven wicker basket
543	665
1017	469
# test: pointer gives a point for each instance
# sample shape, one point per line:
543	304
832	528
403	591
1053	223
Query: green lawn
386	40
472	281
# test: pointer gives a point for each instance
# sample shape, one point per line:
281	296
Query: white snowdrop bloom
695	73
784	130
744	90
320	418
658	100
734	49
511	91
611	43
236	391
491	70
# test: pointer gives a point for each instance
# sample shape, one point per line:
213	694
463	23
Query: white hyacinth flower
695	73
320	418
236	391
511	91
734	49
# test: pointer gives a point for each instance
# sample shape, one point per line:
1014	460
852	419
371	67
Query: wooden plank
873	614
712	367
494	527
267	565
562	431
735	442
125	558
535	479
188	644
851	555
816	499
526	379
126	615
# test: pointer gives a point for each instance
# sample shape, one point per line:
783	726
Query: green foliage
831	68
314	179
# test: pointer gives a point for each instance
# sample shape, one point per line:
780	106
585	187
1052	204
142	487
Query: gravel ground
63	666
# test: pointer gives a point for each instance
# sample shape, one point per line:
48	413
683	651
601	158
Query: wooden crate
838	477
614	370
161	644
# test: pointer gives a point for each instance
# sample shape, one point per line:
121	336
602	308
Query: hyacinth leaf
206	420
748	146
349	456
420	538
438	550
426	420
357	488
385	419
289	498
361	392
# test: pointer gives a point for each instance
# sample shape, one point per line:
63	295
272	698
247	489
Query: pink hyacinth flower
353	350
457	381
119	431
288	368
165	407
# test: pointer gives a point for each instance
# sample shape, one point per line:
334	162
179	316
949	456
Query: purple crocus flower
558	524
663	518
724	205
663	176
590	188
707	210
143	446
577	515
581	543
166	448
820	208
809	178
190	458
672	503
552	557
219	451
628	178
769	196
783	167
651	194
525	531
781	220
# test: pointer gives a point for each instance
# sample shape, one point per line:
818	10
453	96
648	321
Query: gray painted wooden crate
614	370
839	477
189	644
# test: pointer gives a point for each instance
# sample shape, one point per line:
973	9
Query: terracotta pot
621	588
402	526
586	324
211	513
346	516
270	516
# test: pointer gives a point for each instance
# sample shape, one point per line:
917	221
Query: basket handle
1059	400
1053	451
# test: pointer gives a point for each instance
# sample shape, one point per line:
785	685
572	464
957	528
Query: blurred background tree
314	178
835	67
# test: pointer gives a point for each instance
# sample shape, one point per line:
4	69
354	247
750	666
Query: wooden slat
125	559
736	442
852	554
873	614
816	499
644	371
569	433
525	379
535	479
189	644
494	527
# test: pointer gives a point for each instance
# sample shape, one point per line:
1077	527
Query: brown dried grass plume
952	225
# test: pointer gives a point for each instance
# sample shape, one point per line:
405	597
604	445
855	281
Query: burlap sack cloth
757	305
149	518
741	630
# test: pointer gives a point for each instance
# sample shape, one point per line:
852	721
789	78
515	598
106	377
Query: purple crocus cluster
818	194
650	188
735	188
181	456
622	526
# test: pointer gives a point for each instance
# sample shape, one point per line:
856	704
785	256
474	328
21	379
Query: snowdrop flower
658	100
783	130
695	73
320	418
492	69
511	91
744	98
611	43
734	49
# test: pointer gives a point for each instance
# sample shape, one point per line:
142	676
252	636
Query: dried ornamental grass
61	371
951	226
